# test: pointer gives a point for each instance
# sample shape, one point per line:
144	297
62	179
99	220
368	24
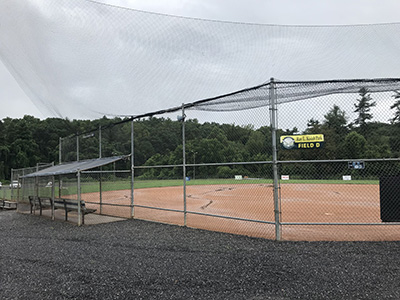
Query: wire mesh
338	183
359	119
115	139
69	149
82	77
108	192
219	174
15	192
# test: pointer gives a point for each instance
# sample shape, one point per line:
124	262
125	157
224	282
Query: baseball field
347	211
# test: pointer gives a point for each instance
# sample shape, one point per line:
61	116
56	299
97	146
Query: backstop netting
85	59
299	156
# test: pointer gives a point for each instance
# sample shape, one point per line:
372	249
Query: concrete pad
90	219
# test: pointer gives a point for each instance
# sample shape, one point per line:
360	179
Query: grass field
91	187
140	184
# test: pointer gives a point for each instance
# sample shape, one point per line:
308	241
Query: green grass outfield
141	184
92	187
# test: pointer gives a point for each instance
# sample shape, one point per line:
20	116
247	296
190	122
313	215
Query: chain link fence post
273	110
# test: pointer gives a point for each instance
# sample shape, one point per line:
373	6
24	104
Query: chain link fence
295	161
12	191
334	192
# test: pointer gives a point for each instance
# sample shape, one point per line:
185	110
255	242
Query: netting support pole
37	183
100	175
273	111
100	154
59	191
184	162
59	150
132	169
59	186
53	195
11	187
79	199
77	147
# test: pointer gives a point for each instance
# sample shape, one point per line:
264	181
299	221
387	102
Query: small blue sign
357	165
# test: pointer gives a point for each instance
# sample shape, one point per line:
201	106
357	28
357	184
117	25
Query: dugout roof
74	167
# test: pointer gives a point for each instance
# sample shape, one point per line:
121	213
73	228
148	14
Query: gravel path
132	259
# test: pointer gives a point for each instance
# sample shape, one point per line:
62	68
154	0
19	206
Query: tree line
27	141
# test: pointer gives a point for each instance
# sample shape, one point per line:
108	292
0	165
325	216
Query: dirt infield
300	203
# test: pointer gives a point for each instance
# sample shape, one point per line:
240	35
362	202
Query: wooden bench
5	204
72	205
60	203
41	202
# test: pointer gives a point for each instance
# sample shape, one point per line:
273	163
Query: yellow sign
306	141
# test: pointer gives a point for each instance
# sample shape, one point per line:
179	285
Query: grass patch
94	187
142	184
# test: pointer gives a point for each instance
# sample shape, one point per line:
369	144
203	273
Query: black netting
292	91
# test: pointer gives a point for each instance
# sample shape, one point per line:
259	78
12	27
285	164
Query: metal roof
74	167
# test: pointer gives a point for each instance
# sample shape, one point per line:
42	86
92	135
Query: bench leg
52	209
66	211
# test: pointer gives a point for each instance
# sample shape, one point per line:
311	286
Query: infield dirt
300	203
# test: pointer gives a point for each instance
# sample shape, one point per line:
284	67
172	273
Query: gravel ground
132	259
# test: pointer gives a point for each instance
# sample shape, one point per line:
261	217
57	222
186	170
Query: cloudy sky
51	73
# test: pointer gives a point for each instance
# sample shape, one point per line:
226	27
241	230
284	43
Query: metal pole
184	163
100	175
53	192
100	141
24	190
18	188
11	185
77	147
79	199
132	168
37	183
273	110
21	193
59	151
194	167
59	186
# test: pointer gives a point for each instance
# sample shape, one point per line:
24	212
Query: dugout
60	186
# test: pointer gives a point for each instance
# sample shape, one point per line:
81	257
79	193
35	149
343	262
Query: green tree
225	172
363	108
256	143
396	105
355	145
313	126
336	120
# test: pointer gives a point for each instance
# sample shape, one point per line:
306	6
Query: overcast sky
15	103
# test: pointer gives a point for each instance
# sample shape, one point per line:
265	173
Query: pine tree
336	119
396	105
363	108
